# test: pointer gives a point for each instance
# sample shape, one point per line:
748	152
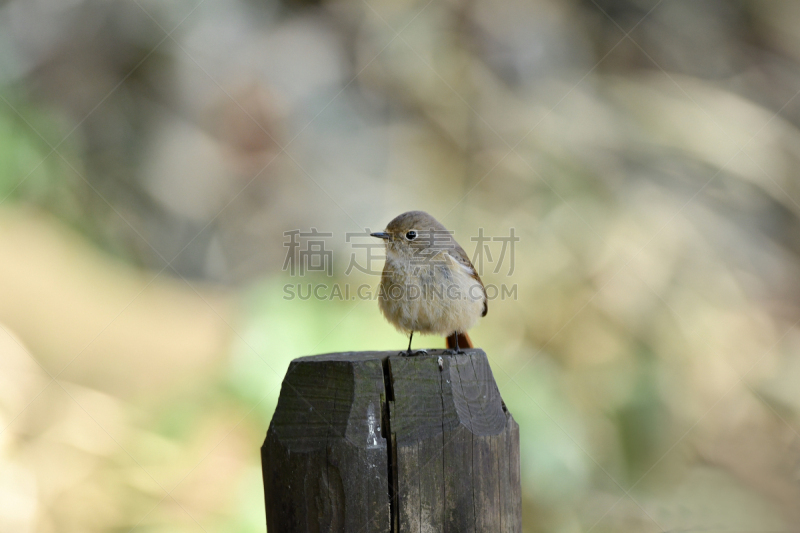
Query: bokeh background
645	152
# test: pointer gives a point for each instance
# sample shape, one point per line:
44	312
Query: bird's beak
381	235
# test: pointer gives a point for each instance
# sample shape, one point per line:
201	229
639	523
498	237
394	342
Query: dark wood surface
378	442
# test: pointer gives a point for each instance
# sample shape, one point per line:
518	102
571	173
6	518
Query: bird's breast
430	297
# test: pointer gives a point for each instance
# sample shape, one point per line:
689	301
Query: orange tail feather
463	341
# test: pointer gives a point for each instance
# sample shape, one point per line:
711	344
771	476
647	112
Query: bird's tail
463	341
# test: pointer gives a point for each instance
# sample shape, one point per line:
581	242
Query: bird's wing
457	252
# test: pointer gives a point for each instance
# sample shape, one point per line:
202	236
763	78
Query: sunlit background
646	154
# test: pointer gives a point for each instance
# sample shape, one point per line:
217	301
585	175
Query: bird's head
415	233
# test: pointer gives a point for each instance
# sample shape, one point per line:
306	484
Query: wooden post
366	442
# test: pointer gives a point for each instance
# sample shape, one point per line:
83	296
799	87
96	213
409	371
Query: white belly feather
439	297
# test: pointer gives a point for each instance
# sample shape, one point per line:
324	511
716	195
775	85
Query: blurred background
153	156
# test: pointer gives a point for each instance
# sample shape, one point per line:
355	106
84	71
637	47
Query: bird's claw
409	353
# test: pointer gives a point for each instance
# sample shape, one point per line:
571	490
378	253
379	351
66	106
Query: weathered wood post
366	442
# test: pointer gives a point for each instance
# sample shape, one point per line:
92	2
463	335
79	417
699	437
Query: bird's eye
411	235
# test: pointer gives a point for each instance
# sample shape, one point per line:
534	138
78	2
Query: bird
428	284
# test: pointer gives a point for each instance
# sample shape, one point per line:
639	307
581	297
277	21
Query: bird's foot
453	351
410	353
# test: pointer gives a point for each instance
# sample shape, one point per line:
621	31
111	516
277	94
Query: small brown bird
429	284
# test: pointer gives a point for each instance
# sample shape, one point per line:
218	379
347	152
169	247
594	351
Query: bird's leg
408	352
456	349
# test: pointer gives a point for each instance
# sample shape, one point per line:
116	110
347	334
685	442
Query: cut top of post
425	390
